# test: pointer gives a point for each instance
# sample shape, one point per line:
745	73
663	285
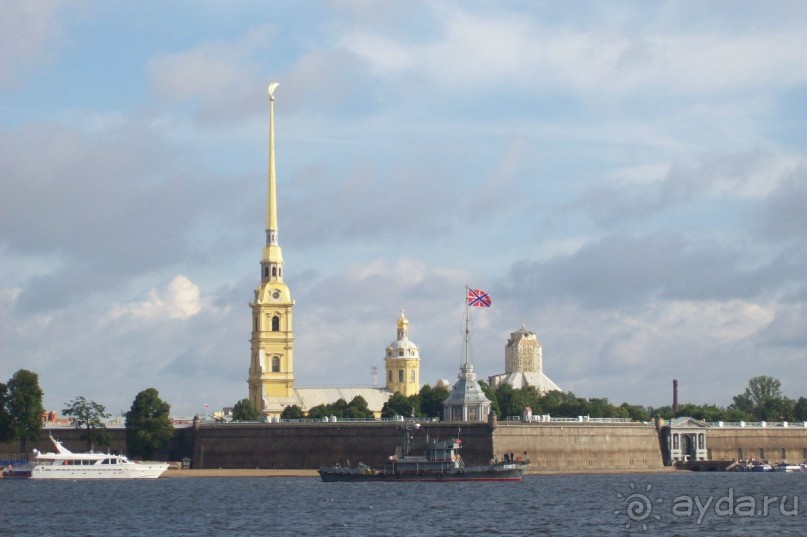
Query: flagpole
467	331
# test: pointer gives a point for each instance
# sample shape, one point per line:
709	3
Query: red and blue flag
478	297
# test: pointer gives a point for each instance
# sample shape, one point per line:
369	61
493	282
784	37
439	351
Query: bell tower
271	370
403	362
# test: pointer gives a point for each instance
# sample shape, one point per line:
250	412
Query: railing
752	424
546	418
325	419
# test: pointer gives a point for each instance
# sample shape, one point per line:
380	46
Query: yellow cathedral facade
271	370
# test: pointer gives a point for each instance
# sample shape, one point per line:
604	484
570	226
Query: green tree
635	412
763	399
24	406
800	409
90	416
509	401
357	408
398	405
319	411
431	400
292	412
244	411
6	425
148	426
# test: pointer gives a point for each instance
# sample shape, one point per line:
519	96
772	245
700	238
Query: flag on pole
477	297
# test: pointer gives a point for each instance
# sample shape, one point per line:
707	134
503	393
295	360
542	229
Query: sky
626	179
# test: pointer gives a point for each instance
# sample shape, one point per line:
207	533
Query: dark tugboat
441	462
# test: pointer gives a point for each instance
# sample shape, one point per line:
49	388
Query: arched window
280	273
400	375
275	364
275	323
400	352
274	272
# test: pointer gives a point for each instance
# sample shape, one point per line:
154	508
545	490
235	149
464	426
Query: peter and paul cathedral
271	371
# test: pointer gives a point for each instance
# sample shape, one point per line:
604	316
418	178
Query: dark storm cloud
623	271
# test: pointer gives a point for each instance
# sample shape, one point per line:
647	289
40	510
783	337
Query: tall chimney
675	395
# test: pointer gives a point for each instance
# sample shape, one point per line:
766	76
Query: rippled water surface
680	503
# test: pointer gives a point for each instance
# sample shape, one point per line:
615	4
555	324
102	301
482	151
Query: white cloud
219	76
29	36
479	50
178	299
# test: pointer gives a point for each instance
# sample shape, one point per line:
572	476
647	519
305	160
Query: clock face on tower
275	294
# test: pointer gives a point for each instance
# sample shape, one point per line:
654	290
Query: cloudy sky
628	179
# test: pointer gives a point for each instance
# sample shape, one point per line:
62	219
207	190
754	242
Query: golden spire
271	209
272	261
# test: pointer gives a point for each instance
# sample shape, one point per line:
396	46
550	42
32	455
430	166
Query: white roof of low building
526	378
307	398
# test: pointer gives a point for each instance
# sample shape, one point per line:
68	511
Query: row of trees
762	400
148	423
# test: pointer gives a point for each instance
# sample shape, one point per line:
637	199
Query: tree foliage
90	416
293	412
763	399
6	425
398	405
431	400
148	426
357	408
244	411
24	406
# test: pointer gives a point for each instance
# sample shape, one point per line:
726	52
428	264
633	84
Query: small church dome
442	383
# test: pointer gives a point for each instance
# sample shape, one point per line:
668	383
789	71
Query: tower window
400	375
255	323
275	323
389	375
412	376
275	364
274	272
400	352
265	272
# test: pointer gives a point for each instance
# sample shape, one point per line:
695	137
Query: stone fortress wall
551	447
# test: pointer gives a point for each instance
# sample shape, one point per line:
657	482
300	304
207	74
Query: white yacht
64	464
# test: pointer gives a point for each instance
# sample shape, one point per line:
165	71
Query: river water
674	503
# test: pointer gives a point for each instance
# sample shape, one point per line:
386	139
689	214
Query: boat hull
17	472
508	472
137	471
